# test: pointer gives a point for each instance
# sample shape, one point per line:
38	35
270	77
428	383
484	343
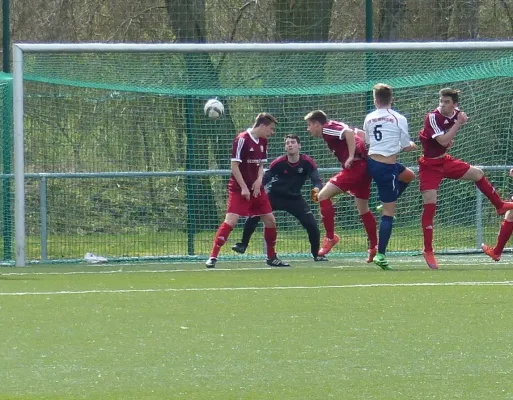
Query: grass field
341	330
404	239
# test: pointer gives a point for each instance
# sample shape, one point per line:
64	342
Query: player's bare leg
270	235
477	176
369	223
221	237
502	238
328	217
428	215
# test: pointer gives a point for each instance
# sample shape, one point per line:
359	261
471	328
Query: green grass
290	242
343	330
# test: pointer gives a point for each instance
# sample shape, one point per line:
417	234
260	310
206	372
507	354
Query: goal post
113	155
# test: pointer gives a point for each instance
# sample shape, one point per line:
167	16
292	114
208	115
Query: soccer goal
114	155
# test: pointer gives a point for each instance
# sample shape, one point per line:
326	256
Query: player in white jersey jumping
386	132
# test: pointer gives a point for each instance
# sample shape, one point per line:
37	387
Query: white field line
160	271
132	269
255	288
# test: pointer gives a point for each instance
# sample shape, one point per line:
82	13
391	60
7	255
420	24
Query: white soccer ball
213	109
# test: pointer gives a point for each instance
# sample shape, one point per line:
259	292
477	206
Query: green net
122	130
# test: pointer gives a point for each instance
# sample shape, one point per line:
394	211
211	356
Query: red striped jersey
333	135
435	124
250	153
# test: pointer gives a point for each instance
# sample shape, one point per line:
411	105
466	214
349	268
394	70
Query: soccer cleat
429	256
211	262
506	206
239	248
276	262
490	252
381	262
372	254
320	258
328	244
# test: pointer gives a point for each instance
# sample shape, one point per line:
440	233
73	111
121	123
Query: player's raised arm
360	133
447	138
351	147
405	140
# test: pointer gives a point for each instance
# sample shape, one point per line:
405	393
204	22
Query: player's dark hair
294	137
383	93
264	119
454	94
317	116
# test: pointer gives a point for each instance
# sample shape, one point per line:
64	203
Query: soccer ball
213	109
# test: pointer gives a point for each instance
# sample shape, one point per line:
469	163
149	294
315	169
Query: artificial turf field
341	330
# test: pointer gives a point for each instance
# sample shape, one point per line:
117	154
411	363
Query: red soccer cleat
490	252
506	206
429	256
372	254
328	244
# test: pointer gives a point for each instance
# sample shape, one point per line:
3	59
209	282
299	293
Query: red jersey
435	124
333	135
251	153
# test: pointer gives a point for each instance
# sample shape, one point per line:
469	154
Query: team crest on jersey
261	148
300	170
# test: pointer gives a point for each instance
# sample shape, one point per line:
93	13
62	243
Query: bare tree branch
234	30
130	19
508	14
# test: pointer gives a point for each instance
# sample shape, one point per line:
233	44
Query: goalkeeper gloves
315	195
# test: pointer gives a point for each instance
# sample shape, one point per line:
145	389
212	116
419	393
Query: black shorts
297	206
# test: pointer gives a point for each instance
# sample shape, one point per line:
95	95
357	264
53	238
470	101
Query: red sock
270	236
221	237
428	216
489	191
503	236
369	222
328	217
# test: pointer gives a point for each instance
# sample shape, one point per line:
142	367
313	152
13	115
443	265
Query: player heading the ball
354	179
440	128
386	132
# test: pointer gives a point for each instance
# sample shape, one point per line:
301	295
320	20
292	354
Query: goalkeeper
286	176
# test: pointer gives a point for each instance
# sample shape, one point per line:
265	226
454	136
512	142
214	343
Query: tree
187	20
390	19
303	20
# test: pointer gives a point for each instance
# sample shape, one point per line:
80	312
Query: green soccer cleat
381	262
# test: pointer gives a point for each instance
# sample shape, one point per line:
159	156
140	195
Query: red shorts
433	170
247	208
355	180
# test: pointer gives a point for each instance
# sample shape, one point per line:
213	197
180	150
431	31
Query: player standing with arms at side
386	132
350	150
440	128
287	175
502	238
246	194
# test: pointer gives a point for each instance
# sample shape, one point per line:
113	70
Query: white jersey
386	131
